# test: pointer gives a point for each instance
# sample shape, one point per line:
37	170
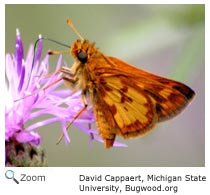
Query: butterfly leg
39	90
60	70
84	100
91	136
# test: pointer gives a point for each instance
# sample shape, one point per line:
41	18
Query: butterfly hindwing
125	107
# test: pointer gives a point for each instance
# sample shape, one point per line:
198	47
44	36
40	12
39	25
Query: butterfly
127	101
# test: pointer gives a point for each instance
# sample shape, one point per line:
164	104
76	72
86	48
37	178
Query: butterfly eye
82	56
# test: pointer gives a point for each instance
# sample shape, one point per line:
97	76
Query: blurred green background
168	40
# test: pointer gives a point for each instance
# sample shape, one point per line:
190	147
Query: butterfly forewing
169	96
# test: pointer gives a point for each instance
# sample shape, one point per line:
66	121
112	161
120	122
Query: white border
65	180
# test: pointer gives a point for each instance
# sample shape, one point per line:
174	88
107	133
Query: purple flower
32	93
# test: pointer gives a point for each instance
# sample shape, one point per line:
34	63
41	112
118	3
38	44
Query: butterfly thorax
85	56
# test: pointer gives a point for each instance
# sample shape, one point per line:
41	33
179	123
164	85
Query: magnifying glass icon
9	174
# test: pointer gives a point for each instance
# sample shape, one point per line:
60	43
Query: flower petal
32	137
19	54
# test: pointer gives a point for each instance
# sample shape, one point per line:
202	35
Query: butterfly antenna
34	54
48	39
35	45
57	42
69	22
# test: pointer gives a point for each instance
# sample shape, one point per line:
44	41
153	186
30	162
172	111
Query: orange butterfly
127	101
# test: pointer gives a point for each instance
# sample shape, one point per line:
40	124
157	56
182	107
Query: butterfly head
83	50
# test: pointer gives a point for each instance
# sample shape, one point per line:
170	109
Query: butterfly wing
129	101
170	96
